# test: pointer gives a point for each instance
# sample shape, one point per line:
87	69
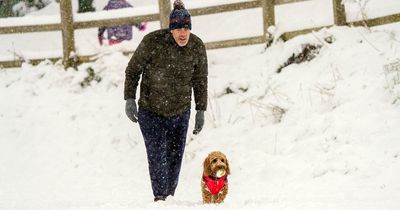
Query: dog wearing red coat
214	184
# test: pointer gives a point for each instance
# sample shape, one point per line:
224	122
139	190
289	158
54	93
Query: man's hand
199	122
131	110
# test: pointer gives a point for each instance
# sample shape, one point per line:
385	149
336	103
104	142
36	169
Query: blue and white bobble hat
179	17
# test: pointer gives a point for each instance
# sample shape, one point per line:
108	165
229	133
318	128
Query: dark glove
199	122
131	110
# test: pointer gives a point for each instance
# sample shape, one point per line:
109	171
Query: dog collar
215	185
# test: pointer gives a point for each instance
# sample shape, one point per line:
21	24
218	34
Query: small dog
214	184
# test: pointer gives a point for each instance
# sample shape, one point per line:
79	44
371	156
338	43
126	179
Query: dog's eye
214	161
223	160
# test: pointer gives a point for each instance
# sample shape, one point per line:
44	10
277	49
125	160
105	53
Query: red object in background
114	41
101	38
142	26
110	41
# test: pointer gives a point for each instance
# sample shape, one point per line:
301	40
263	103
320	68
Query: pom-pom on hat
179	17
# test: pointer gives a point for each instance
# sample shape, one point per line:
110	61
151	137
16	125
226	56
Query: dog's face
214	162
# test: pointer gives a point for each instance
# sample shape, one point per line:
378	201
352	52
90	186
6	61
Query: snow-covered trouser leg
176	138
165	139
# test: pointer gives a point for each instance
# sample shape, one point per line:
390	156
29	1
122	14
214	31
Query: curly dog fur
214	162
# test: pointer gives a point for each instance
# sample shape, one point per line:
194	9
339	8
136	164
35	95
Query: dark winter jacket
169	73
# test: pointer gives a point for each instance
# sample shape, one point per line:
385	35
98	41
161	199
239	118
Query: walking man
171	63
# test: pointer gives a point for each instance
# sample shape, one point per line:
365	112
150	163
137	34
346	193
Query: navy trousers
165	139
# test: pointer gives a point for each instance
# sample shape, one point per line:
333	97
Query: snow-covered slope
336	147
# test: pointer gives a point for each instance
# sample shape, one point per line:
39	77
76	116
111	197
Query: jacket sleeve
199	80
135	68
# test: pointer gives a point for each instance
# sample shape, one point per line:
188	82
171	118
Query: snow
30	20
370	8
121	13
335	147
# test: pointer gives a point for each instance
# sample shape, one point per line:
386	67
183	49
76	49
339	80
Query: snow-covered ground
336	146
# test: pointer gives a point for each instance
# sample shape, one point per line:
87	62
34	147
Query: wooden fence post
165	8
67	30
268	7
339	13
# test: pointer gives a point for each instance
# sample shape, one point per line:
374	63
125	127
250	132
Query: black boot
160	198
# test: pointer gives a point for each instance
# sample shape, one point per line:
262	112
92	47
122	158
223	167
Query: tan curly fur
214	161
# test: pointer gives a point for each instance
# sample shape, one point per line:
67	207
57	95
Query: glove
199	122
142	26
131	110
101	38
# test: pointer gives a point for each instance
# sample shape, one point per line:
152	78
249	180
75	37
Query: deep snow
335	147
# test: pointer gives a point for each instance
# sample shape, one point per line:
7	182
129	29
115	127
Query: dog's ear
206	167
228	170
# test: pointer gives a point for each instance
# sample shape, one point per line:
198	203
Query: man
119	33
172	62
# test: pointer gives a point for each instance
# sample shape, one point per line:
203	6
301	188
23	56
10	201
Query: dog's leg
218	198
222	194
207	197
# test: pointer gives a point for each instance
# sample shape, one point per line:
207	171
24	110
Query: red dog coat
215	185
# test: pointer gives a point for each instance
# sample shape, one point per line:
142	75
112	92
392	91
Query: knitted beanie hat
179	17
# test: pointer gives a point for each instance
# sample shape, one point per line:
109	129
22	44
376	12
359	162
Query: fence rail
30	28
67	26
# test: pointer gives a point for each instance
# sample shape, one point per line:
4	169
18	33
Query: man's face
181	36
